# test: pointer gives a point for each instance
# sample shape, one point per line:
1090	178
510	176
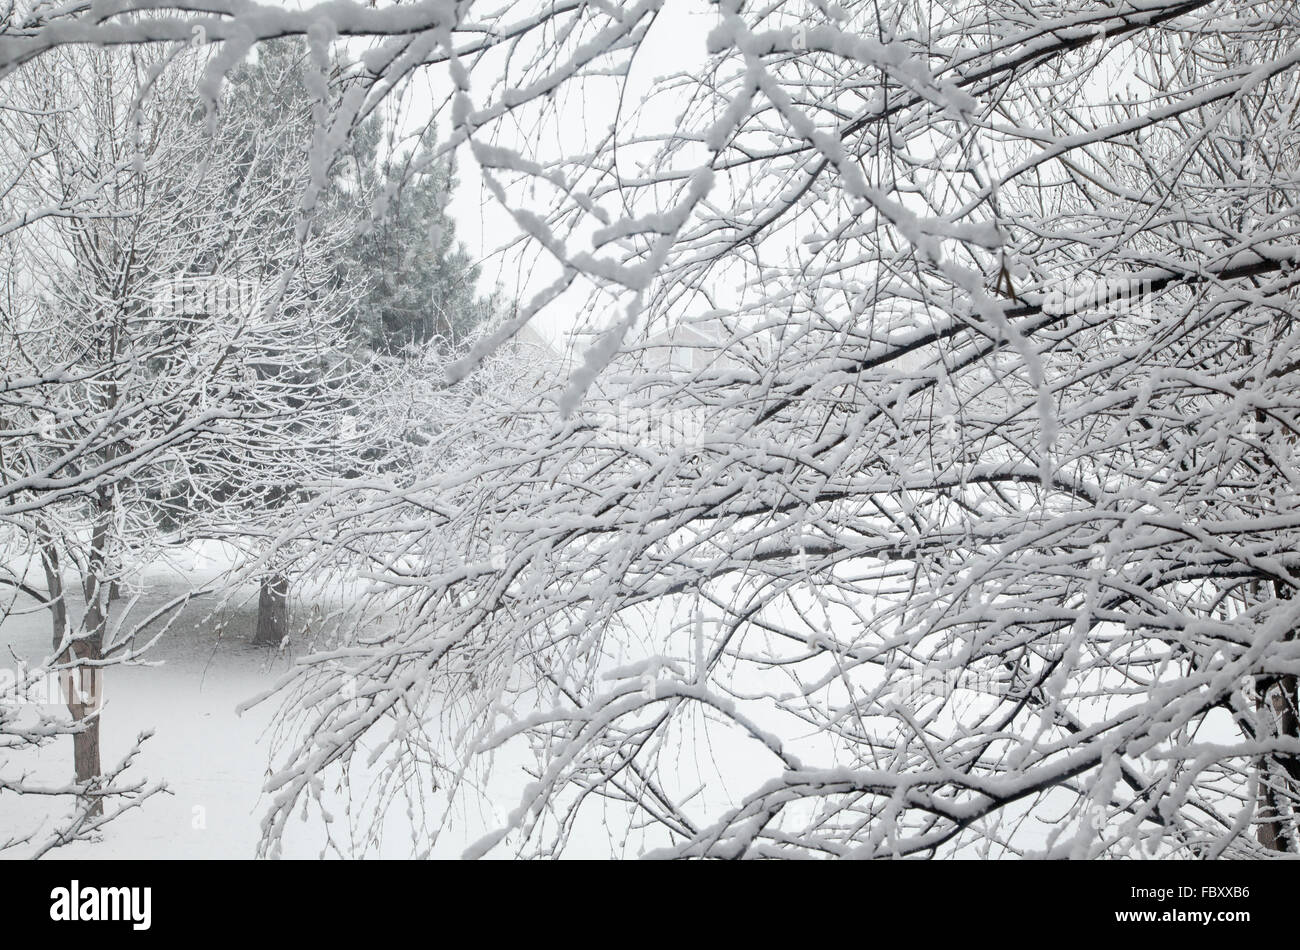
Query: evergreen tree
418	282
421	280
411	283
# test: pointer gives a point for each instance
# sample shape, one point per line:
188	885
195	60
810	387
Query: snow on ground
206	754
214	760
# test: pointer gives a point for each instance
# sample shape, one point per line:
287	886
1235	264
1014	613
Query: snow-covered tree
982	537
157	337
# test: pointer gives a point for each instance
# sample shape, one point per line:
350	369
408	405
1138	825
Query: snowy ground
214	760
207	755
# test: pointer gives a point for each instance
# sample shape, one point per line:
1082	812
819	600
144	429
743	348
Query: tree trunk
1280	772
272	610
85	754
1278	775
82	689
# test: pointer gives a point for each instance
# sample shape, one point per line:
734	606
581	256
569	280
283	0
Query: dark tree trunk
82	691
81	688
272	610
1278	775
85	758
